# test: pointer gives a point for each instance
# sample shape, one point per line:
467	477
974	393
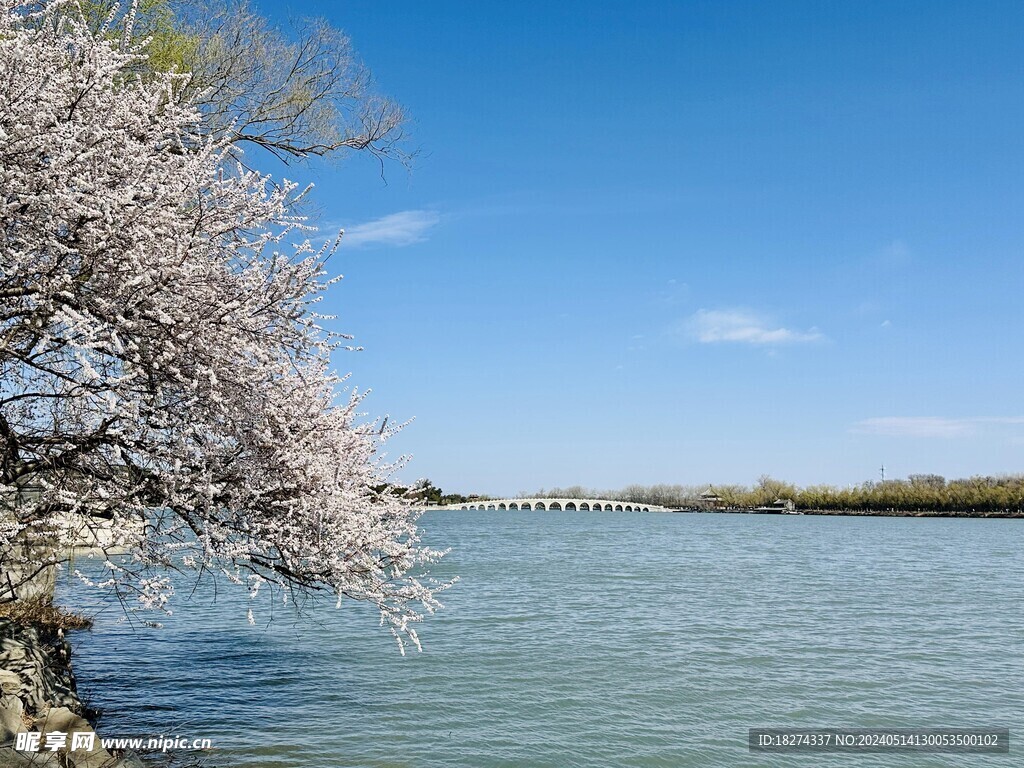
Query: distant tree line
924	493
425	492
921	493
661	495
917	493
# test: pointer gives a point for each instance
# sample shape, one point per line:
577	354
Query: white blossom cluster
162	371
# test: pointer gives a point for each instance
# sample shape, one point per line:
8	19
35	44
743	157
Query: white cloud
914	426
396	229
711	326
928	426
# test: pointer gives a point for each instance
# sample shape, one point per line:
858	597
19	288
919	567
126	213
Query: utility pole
883	473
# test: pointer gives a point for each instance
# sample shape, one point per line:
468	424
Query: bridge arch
570	506
539	506
618	508
501	505
584	507
554	505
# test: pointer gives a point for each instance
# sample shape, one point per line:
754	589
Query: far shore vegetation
917	494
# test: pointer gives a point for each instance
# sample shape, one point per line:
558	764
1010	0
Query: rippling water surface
601	639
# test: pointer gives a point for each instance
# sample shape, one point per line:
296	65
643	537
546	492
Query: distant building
778	507
711	500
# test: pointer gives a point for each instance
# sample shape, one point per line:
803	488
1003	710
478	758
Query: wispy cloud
741	326
896	254
929	426
396	230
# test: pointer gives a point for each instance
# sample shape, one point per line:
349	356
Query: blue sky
689	242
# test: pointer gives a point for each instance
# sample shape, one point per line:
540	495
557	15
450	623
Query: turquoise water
602	639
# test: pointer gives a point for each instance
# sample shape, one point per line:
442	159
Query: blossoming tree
164	378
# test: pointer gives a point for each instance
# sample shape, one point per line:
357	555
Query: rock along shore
38	694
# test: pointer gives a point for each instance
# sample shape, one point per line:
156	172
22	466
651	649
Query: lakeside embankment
776	510
960	513
914	513
43	721
38	696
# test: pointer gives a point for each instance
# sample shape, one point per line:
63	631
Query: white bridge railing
550	504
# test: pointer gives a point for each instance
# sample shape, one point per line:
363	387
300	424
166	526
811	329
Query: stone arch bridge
552	504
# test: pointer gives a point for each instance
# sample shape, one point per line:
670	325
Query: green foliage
425	492
168	46
926	494
296	93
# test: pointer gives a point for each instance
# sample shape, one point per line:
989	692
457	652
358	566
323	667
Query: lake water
602	639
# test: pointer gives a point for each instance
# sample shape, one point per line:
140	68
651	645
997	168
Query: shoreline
39	696
960	514
953	513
